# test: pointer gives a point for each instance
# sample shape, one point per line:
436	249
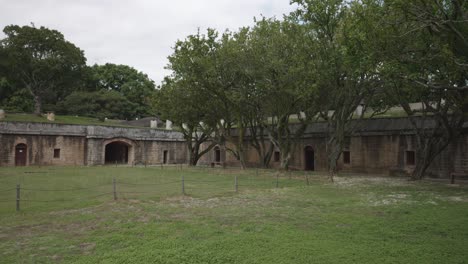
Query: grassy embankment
355	220
62	119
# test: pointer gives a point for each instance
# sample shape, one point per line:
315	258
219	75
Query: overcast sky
138	33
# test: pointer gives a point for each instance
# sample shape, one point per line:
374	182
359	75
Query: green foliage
43	62
100	104
134	85
17	101
189	97
423	51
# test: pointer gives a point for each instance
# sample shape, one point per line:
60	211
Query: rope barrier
207	181
218	183
65	200
147	184
64	190
6	190
135	192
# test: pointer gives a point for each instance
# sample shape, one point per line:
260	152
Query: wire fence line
119	189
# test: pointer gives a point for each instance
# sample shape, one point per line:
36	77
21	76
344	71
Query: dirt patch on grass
248	199
87	248
461	199
359	181
389	199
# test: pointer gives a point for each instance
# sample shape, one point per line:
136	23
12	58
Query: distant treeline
41	71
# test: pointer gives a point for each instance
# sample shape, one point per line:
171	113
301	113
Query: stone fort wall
57	144
378	146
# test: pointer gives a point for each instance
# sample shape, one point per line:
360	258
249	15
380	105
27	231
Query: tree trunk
193	159
334	149
285	158
266	157
426	152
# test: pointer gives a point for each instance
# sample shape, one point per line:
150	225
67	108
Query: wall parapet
88	131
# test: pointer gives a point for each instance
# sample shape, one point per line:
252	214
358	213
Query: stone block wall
40	149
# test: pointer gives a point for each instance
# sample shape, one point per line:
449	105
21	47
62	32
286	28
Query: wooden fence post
236	185
307	179
115	188
183	186
18	197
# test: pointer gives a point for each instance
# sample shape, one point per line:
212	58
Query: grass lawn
355	220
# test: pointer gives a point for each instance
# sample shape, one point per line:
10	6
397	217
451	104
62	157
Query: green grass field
355	220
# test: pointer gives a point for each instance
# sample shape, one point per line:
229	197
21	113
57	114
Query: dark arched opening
21	154
309	158
116	153
217	154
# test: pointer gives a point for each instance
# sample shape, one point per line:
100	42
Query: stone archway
118	151
309	158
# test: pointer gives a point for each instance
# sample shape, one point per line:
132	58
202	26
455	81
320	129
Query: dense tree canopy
43	62
423	47
322	62
101	104
40	70
132	84
187	96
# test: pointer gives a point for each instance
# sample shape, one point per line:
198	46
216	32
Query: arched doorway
116	153
309	159
217	154
21	154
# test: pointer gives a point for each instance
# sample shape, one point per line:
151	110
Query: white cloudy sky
139	33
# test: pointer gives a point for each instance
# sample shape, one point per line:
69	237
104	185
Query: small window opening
346	157
277	156
165	157
410	157
56	153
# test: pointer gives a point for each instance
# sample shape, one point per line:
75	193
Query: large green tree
42	61
186	96
282	84
101	104
136	86
423	46
343	70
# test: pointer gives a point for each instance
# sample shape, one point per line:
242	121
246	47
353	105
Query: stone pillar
168	125
359	109
154	123
51	116
2	114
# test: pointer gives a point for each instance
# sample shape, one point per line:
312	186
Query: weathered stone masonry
56	144
384	146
